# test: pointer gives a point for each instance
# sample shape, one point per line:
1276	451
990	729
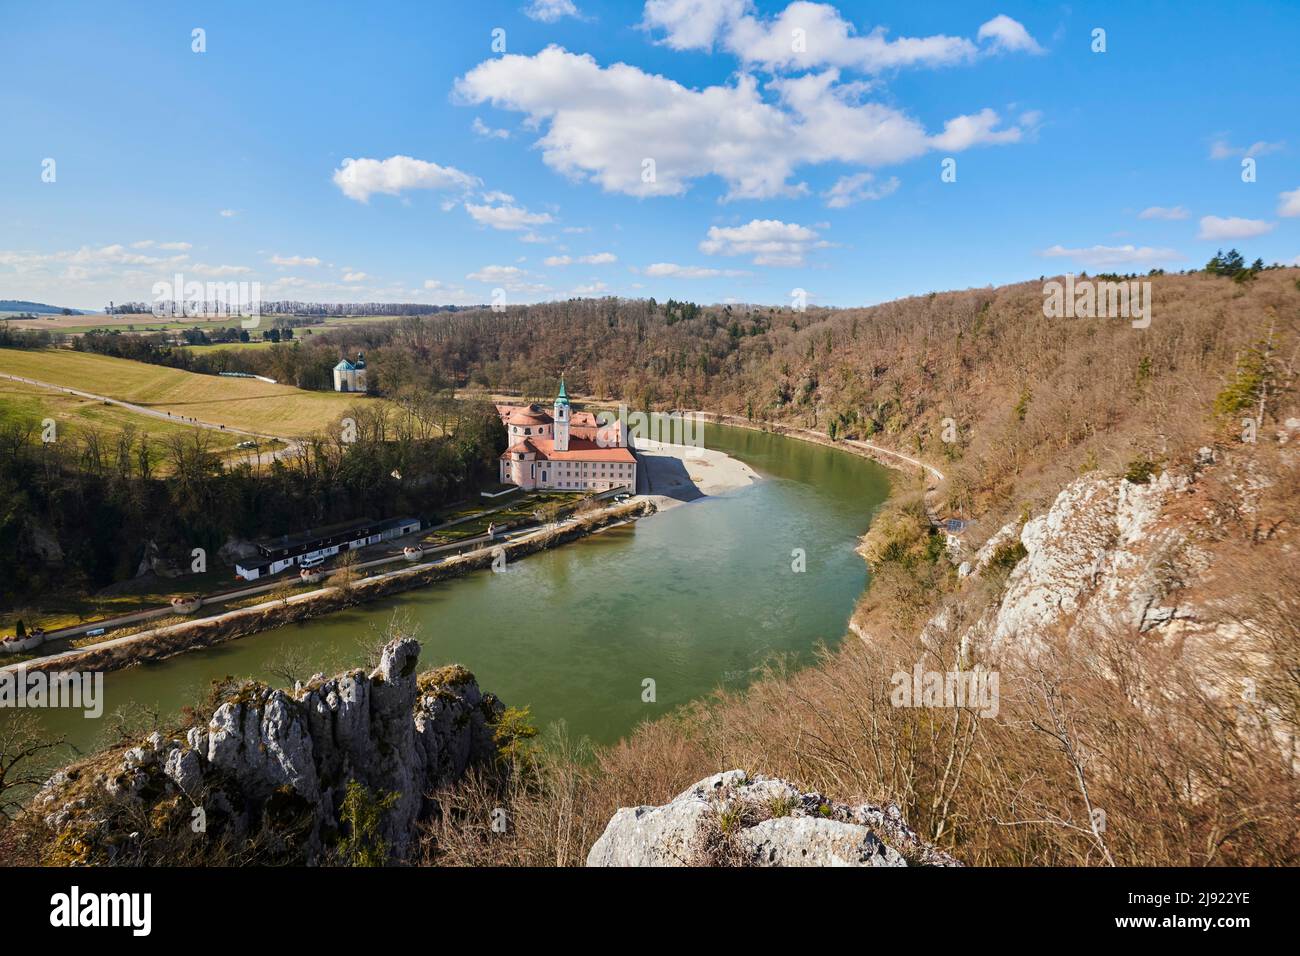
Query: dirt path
253	457
140	409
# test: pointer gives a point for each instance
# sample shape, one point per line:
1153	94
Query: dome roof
526	416
345	366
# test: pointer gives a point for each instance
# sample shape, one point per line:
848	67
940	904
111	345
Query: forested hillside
1145	635
1033	399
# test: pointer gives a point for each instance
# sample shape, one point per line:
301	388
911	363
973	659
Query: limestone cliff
1112	554
737	819
273	768
1158	563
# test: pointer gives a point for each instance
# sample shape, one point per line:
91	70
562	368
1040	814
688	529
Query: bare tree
21	742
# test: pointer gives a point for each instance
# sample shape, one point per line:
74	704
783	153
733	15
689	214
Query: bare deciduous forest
1119	723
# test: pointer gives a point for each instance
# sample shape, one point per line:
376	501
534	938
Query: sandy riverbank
675	474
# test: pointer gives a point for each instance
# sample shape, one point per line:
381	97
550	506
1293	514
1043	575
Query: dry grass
74	415
234	402
1122	749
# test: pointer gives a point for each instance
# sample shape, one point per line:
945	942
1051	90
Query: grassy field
127	323
519	509
20	402
217	346
234	402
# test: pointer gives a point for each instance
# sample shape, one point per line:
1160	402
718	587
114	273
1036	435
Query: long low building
278	554
564	450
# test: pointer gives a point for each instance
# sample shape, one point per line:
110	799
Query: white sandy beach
675	474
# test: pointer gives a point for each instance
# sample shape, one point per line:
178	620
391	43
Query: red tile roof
580	449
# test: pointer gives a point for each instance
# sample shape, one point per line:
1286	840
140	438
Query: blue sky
780	161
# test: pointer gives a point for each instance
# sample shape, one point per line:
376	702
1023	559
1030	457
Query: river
691	598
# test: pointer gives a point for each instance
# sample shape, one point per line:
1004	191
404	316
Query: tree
345	573
361	813
1226	265
20	741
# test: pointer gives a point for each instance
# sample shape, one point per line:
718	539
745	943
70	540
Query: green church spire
563	397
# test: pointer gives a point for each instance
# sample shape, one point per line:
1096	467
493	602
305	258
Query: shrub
1140	470
361	813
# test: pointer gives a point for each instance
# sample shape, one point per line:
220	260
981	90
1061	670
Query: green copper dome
563	397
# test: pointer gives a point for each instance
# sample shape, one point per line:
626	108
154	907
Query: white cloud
1102	256
963	132
692	24
856	188
497	274
1007	36
294	260
1290	203
203	269
1232	227
361	178
674	271
487	132
829	40
228	213
170	246
510	278
450	294
88	257
1222	149
809	35
591	288
1164	212
354	276
595	259
770	241
602	124
506	216
548	11
824	37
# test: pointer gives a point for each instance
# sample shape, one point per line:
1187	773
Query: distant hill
38	308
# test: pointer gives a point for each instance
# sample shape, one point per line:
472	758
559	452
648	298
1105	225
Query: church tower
560	413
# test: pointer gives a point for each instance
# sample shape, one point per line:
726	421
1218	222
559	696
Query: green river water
693	598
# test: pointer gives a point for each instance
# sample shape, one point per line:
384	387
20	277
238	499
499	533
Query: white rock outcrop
1101	556
392	731
746	820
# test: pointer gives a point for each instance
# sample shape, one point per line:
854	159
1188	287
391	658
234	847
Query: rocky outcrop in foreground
736	819
276	766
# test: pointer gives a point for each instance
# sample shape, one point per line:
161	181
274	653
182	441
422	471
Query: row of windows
597	485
